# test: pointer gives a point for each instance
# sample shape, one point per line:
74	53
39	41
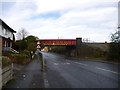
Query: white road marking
55	63
81	63
46	83
107	70
67	63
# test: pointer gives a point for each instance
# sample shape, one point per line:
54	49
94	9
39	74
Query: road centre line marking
107	70
81	63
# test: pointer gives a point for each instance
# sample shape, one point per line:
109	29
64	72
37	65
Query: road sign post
38	45
41	58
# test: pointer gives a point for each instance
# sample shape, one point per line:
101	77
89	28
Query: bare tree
22	34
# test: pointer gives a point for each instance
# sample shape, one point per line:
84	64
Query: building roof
6	26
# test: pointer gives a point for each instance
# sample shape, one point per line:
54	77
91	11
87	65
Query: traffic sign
38	42
38	46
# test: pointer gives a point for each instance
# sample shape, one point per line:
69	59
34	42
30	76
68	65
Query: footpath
27	76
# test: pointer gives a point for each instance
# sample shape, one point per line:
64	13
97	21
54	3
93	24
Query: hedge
5	61
19	58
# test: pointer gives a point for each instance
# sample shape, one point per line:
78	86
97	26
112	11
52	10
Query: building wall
6	42
0	46
6	37
5	33
1	30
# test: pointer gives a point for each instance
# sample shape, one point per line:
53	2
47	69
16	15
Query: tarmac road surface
66	72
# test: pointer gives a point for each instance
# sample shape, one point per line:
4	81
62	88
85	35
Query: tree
31	47
41	45
115	37
31	39
25	43
22	34
114	47
31	42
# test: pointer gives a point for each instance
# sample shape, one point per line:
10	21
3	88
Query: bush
25	52
91	51
114	47
20	58
6	53
19	55
5	61
114	52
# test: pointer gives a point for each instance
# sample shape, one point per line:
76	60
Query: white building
119	33
7	35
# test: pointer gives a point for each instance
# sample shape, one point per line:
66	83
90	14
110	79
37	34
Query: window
10	44
5	44
8	33
11	35
4	31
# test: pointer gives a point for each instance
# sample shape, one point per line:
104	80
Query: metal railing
13	50
10	49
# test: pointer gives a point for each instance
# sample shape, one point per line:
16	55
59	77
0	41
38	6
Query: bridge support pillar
78	45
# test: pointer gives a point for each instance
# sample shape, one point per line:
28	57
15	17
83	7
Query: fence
6	75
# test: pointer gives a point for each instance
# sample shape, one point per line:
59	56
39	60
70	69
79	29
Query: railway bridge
68	43
60	42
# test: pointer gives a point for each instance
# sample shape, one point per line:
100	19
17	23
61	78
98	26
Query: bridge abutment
78	45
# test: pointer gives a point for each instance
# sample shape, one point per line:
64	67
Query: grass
21	58
19	55
100	58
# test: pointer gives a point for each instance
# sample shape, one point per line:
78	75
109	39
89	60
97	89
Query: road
66	72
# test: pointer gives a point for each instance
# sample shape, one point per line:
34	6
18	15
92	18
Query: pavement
65	72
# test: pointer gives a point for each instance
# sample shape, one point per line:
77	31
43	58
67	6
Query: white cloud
78	18
63	5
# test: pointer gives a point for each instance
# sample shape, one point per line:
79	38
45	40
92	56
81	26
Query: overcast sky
66	19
